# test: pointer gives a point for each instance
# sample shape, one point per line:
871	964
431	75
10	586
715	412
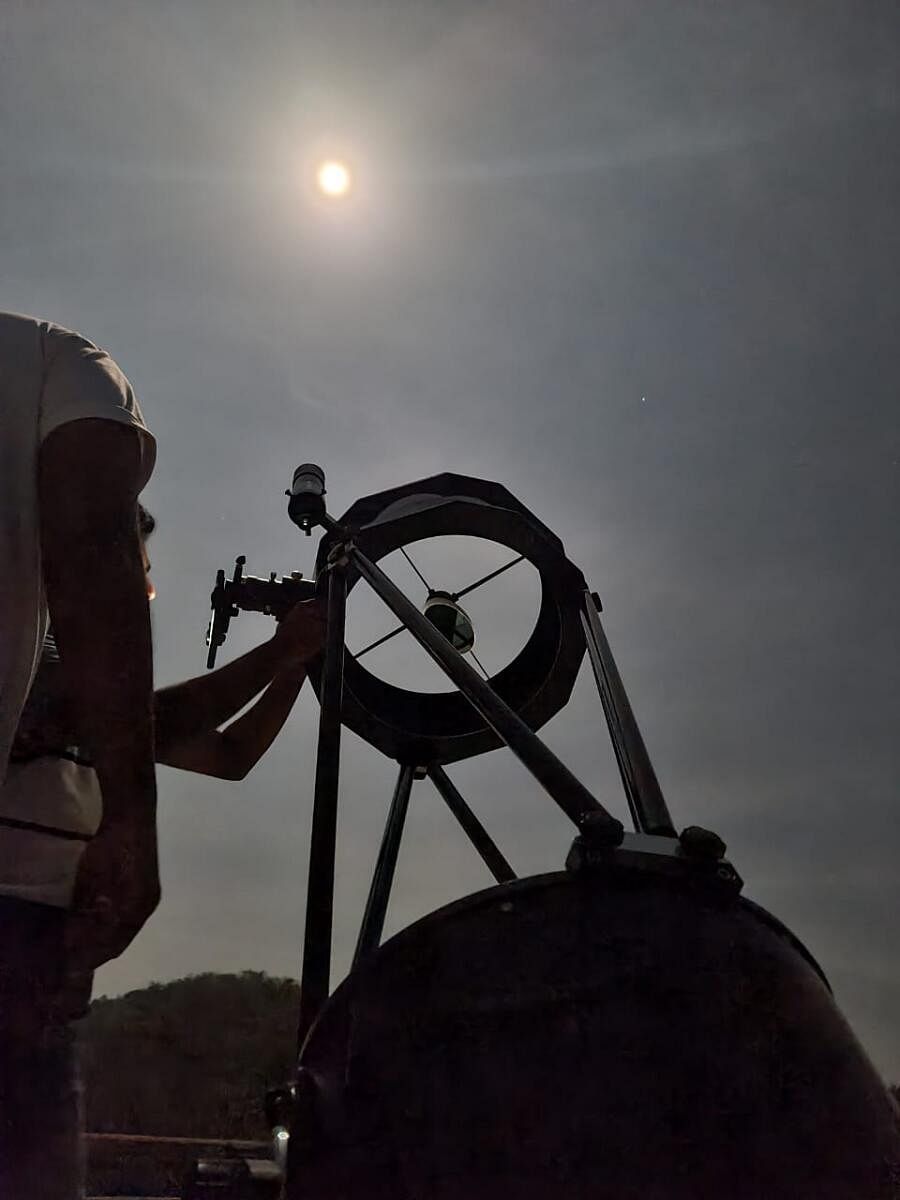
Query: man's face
151	590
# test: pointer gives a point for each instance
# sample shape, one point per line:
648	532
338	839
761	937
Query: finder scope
306	506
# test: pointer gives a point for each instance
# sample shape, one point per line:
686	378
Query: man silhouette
74	455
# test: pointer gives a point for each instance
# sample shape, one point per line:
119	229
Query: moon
333	179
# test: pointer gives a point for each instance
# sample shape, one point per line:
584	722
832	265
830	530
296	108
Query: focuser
247	593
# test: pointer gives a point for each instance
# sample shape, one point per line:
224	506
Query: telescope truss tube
316	971
645	799
383	878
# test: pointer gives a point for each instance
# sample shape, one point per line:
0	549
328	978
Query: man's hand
116	890
300	637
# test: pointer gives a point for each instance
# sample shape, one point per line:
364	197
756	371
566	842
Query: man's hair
146	521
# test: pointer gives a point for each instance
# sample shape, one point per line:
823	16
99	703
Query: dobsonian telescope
629	1027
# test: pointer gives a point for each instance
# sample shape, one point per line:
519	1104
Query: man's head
146	524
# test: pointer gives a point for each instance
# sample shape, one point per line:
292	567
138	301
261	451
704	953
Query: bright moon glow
333	179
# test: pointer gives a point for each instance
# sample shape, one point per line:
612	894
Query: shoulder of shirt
52	336
26	321
58	338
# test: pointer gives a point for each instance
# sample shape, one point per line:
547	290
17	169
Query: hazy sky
639	263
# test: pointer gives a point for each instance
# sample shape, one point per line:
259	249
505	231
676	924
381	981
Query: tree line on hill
192	1058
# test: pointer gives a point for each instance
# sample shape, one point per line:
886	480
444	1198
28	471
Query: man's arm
233	752
89	472
204	703
201	705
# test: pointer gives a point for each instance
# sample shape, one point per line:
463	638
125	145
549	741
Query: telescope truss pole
472	827
315	977
383	877
645	799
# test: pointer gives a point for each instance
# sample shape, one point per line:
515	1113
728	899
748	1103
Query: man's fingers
99	908
93	941
99	930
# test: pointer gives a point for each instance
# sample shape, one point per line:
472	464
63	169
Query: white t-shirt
49	376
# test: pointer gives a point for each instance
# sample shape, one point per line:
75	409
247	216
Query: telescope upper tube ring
422	728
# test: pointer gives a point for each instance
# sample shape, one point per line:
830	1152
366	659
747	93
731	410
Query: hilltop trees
191	1058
